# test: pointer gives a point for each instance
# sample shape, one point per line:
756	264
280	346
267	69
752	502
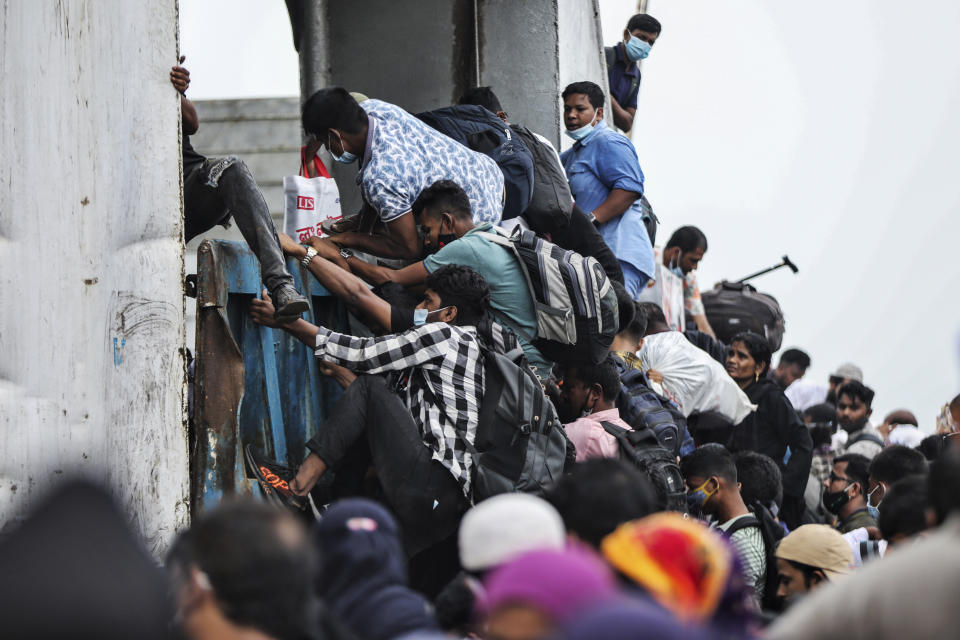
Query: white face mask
420	315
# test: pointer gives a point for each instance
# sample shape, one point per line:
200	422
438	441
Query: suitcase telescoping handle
785	262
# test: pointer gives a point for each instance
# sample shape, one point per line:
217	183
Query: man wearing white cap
505	526
809	557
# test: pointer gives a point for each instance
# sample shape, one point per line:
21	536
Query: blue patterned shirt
406	156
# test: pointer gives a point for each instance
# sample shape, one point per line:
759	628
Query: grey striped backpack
575	304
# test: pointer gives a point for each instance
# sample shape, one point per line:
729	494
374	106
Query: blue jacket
363	572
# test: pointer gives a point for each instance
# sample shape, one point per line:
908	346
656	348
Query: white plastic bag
692	379
308	202
666	291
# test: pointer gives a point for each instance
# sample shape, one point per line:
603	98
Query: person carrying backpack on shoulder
587	395
419	426
712	490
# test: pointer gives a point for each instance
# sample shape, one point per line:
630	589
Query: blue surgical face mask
637	49
676	270
420	315
582	132
874	512
346	158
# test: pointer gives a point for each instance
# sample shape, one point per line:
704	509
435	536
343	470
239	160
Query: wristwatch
311	254
346	253
592	218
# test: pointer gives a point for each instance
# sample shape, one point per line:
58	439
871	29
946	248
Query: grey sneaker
288	304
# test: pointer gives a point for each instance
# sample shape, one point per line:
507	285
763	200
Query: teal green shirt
510	298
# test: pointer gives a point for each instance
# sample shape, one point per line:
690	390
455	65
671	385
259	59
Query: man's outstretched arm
341	283
401	240
262	313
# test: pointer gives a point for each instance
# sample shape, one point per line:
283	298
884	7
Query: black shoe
274	479
288	304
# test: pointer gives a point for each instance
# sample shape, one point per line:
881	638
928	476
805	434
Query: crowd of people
689	488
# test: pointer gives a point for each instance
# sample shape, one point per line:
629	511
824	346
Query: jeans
224	187
424	495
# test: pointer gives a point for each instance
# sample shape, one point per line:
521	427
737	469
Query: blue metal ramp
253	385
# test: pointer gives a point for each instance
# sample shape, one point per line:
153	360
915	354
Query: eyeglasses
835	478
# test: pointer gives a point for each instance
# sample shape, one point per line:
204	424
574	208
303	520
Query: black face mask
443	239
833	501
856	426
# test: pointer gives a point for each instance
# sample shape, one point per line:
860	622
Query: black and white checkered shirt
444	358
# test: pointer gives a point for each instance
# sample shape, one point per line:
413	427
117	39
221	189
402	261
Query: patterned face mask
945	422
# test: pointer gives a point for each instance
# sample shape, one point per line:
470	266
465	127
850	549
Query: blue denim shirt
603	161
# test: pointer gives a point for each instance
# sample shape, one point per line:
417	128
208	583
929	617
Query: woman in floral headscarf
688	569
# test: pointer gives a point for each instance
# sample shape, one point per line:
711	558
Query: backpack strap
500	237
744	523
868	437
610	53
618	432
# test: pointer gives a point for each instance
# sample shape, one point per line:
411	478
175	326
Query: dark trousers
224	187
422	493
583	237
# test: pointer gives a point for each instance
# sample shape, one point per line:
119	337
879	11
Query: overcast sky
824	130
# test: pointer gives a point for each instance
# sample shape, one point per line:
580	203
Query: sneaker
288	304
274	480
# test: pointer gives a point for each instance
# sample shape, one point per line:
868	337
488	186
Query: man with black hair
420	425
445	218
607	182
713	490
587	397
680	257
853	415
845	493
399	157
601	494
623	68
891	465
760	480
580	235
216	190
792	366
906	510
243	570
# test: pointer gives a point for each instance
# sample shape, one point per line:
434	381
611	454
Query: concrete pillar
529	51
91	258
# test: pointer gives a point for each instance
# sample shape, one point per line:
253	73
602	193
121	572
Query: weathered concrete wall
581	48
91	257
519	60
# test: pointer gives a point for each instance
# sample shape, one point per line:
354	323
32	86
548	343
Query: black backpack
476	128
650	219
643	450
772	533
552	202
520	443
